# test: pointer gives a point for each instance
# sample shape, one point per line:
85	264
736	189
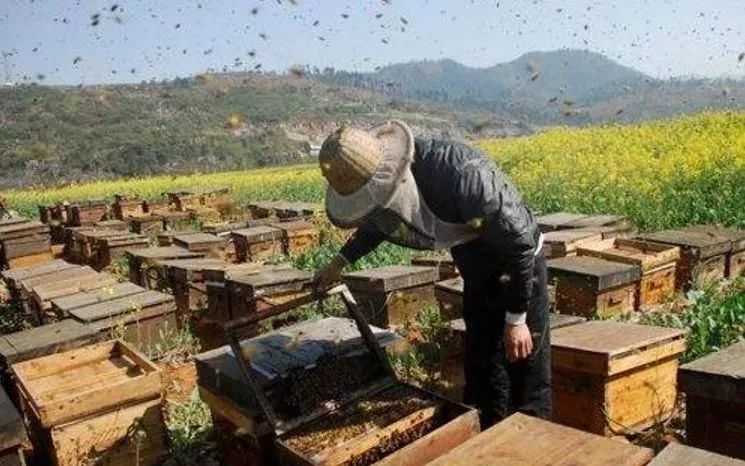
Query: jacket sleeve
487	201
361	243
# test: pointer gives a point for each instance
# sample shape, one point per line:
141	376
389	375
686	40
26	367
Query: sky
91	42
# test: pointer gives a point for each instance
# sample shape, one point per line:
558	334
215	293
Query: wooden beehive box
296	210
442	260
611	377
715	401
249	294
218	228
453	352
84	213
42	294
676	454
63	305
86	405
173	220
85	242
257	243
110	249
148	224
27	286
165	238
144	264
656	263
610	226
298	236
562	243
201	242
24	244
13	277
703	257
557	220
263	209
525	440
735	259
12	433
449	294
124	207
394	294
41	341
589	287
138	318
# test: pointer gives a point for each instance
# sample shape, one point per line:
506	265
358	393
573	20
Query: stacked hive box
676	454
24	243
145	264
42	294
98	404
442	260
298	236
258	243
655	261
393	295
715	401
734	264
611	377
703	256
525	440
589	287
12	433
85	213
182	201
41	341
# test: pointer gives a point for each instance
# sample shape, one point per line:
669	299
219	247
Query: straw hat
364	169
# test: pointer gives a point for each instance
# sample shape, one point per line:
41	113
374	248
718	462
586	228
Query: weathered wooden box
84	248
12	433
562	243
123	207
41	341
42	294
590	287
676	454
209	244
23	244
27	286
173	220
264	209
250	294
13	277
182	201
703	257
145	264
295	210
735	259
394	294
655	261
298	236
165	238
149	224
612	377
139	319
715	401
110	249
557	220
525	440
442	260
257	243
85	406
63	305
84	213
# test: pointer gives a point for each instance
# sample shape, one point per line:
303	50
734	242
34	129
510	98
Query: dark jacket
462	185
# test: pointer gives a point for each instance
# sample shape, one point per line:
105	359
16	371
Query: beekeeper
433	194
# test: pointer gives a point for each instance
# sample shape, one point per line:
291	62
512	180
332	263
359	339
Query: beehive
556	220
148	224
209	244
250	294
42	294
257	243
12	433
562	243
263	209
27	285
734	259
589	287
178	220
442	260
84	213
656	263
23	244
298	236
63	305
295	210
84	240
393	295
87	404
41	341
611	377
715	401
13	277
525	440
138	318
113	224
676	454
165	238
608	226
110	249
453	352
144	264
123	208
703	257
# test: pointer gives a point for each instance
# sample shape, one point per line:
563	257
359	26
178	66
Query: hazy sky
61	41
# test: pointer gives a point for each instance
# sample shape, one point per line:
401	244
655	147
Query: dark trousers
495	386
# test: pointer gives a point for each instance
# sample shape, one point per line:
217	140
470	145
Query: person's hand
328	275
518	343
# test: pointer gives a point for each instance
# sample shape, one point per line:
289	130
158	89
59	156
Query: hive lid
109	293
164	253
295	226
557	220
259	233
704	244
119	306
47	339
391	278
198	239
676	454
720	375
645	254
601	220
453	285
607	348
563	242
736	236
12	428
22	229
70	272
271	281
55	265
599	273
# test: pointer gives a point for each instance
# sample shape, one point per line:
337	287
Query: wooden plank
600	220
557	220
735	235
12	428
57	265
676	454
47	339
720	375
45	292
119	306
28	261
63	305
258	234
29	283
270	282
561	243
521	439
391	278
199	241
702	244
645	254
598	273
17	230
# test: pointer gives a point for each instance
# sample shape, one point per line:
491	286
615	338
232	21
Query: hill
558	87
219	122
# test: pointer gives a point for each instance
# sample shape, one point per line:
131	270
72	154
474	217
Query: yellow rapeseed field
660	174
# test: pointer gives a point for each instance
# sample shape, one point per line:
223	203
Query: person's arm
362	242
